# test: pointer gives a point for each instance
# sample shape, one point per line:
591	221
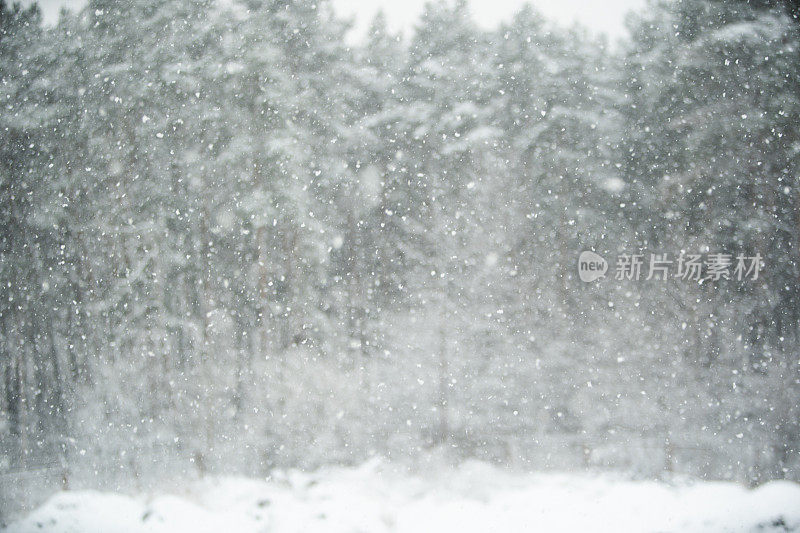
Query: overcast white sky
599	15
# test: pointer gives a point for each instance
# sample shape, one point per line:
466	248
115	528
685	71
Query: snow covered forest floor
379	496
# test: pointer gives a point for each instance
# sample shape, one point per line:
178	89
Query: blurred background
235	237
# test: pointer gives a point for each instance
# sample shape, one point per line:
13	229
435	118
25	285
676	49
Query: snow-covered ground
380	497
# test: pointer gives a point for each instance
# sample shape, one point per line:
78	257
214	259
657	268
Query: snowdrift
379	497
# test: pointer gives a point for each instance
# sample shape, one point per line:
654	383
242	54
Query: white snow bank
379	497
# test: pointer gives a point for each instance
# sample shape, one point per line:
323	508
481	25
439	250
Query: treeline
230	241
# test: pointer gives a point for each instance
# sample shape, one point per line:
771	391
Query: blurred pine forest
230	241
